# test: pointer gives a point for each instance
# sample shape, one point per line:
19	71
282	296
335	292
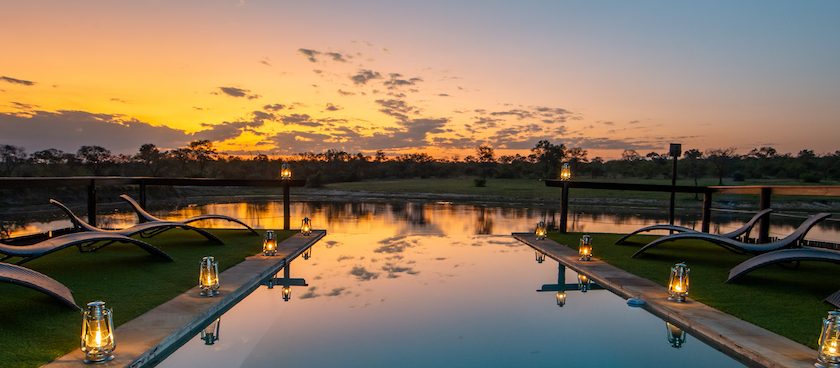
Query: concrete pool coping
151	337
747	343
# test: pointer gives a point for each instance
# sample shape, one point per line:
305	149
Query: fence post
707	212
286	206
764	225
564	207
91	202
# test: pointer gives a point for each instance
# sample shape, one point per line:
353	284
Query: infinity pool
411	285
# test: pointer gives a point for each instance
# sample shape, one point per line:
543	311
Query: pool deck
155	334
748	343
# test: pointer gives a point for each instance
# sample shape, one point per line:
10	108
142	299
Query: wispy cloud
365	75
17	81
239	92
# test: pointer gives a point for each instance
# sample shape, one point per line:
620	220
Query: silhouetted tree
721	158
94	157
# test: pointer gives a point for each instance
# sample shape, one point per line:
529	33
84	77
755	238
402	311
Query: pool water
410	285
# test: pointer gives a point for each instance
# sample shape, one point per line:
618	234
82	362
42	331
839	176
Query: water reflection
676	335
210	334
583	285
286	282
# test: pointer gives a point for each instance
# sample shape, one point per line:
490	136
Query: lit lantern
306	226
210	334
678	282
270	243
583	283
287	293
307	253
541	230
208	276
561	298
676	336
828	353
566	172
285	172
98	342
540	256
585	248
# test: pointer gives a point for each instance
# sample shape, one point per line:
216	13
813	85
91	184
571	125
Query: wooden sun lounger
40	249
37	281
834	299
743	230
782	256
144	216
146	229
789	241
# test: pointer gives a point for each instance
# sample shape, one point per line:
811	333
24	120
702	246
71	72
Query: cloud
335	292
300	119
265	61
23	106
395	80
331	107
337	57
22	82
274	107
345	93
396	108
362	274
238	92
310	293
364	75
67	130
310	54
227	130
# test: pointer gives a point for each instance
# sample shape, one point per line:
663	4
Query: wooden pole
707	212
142	194
564	207
91	202
286	207
671	213
764	225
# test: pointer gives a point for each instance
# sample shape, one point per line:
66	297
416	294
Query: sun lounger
144	216
80	240
146	229
743	230
783	256
834	299
37	281
789	241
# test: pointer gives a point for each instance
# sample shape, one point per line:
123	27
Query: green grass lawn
785	300
36	329
535	189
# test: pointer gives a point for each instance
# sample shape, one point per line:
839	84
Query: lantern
270	243
561	298
541	230
566	172
678	282
540	256
287	293
98	333
285	172
307	253
828	353
208	276
210	334
585	248
583	283
306	226
676	336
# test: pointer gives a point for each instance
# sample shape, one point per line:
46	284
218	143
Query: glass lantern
287	293
540	256
285	172
676	336
306	226
678	282
541	230
98	342
828	352
210	334
270	243
208	276
566	172
583	283
585	248
561	298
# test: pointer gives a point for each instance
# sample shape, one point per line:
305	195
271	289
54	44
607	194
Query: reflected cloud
310	293
363	274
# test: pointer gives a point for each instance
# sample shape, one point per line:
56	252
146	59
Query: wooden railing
765	193
92	182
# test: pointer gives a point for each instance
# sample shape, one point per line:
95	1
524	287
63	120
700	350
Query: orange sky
441	77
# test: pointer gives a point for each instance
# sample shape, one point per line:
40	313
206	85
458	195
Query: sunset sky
280	77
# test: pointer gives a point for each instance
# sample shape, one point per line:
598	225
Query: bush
738	176
482	182
810	177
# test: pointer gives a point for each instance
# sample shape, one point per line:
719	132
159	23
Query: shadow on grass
35	329
783	299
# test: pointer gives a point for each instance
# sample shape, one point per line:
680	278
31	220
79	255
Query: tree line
202	159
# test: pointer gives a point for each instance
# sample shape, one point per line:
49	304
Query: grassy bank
35	329
785	300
